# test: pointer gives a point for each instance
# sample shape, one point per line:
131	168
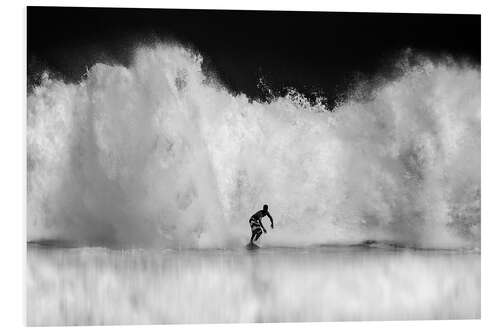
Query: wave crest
157	154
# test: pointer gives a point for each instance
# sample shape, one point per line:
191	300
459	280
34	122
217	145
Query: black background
311	51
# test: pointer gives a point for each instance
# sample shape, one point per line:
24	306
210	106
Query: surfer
256	223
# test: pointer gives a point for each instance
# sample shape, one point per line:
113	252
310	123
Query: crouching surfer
256	224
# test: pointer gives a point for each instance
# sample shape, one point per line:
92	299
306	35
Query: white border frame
13	152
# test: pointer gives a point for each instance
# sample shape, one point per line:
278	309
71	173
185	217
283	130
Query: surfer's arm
271	218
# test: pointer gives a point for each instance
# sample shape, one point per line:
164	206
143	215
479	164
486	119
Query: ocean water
99	286
160	154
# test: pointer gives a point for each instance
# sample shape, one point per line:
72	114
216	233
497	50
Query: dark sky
311	51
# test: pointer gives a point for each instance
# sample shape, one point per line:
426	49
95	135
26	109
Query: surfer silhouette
256	223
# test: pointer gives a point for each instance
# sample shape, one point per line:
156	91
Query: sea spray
157	154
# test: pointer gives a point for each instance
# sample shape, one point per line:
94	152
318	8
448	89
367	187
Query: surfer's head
265	208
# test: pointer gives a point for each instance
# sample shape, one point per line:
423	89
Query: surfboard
251	246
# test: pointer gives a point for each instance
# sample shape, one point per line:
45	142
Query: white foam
157	154
103	287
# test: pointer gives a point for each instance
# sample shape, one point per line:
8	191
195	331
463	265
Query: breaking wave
158	154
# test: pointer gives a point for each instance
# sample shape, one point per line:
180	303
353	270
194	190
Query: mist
159	154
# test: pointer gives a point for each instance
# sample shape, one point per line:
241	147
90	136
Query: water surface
87	286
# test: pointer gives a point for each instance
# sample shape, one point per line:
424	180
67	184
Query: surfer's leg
258	233
254	235
255	230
